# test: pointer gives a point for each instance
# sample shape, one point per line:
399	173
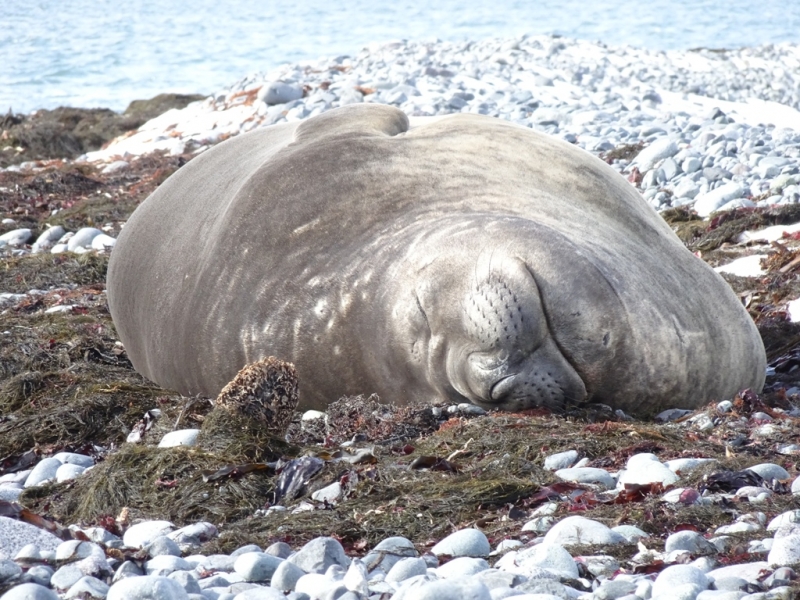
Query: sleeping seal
466	259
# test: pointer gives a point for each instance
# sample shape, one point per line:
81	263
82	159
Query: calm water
104	53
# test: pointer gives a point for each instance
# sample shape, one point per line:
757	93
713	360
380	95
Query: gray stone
548	556
562	460
611	590
630	533
29	591
15	237
465	542
720	595
188	580
494	579
574	531
103	242
137	536
9	570
453	590
280	549
164	564
44	470
542	589
256	548
591	475
786	518
278	92
690	541
87	588
193	535
785	552
405	568
707	203
460	567
256	566
285	576
643	469
162	546
128	569
316	585
147	588
691	164
678	575
181	437
730	584
68	472
747	571
319	554
770	471
40	574
83	238
65	577
659	150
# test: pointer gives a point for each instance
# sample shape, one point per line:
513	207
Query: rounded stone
406	568
675	576
580	531
181	437
789	517
102	242
279	549
453	590
29	591
562	460
83	238
44	470
785	552
164	564
49	237
256	566
162	546
87	588
631	533
286	576
137	536
319	554
545	556
463	566
65	577
465	542
147	587
278	92
592	475
9	570
770	471
690	541
68	472
643	469
388	552
15	237
73	550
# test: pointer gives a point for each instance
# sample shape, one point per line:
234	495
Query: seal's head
489	334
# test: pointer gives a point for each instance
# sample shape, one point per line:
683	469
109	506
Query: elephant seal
466	259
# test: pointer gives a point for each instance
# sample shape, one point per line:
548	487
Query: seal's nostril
503	387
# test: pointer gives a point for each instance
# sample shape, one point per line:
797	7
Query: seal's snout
543	378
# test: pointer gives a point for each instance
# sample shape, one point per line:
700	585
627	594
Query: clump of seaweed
165	483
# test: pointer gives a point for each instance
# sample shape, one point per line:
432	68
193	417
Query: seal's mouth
503	388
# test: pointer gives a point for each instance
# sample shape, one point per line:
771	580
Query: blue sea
106	53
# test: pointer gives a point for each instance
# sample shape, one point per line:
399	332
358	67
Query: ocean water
106	53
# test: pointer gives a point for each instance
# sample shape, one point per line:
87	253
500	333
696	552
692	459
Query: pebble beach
708	131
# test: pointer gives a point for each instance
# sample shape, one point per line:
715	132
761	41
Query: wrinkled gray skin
466	259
